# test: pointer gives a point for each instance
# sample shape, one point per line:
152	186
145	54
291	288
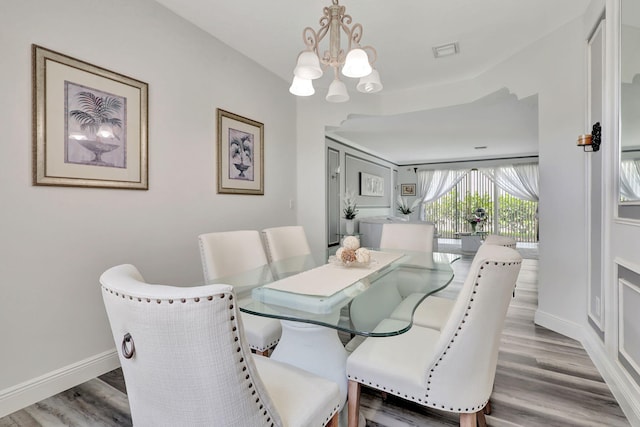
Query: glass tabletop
353	299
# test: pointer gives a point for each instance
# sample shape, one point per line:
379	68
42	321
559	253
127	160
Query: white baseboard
559	325
37	389
623	388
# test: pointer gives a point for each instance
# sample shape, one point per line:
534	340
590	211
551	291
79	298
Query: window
507	215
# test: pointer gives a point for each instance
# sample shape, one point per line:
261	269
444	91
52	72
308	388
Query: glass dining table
314	300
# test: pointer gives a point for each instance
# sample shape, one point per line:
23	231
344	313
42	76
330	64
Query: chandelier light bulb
357	64
308	66
301	87
370	83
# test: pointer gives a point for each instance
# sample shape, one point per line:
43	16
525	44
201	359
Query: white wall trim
622	387
37	389
559	325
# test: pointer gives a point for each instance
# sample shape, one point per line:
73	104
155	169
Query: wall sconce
591	140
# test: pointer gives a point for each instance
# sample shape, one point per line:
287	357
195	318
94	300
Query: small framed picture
407	189
240	154
90	124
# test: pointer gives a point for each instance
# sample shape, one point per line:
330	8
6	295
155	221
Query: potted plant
477	218
350	210
404	208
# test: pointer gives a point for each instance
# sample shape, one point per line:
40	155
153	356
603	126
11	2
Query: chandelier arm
354	34
372	53
311	39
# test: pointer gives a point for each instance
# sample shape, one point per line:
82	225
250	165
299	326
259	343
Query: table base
316	349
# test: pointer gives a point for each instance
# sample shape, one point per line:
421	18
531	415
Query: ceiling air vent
446	50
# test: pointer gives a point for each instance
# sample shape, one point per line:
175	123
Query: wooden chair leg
487	408
482	422
333	422
264	353
353	402
467	420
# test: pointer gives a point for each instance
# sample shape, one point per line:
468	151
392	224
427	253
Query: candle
584	140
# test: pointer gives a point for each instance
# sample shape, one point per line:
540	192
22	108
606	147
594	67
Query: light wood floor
543	379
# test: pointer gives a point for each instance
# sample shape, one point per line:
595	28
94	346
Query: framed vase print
89	124
240	154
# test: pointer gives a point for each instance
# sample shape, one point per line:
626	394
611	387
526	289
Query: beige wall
57	241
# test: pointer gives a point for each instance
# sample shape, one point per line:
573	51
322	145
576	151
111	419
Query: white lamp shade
356	64
370	83
308	66
337	92
301	87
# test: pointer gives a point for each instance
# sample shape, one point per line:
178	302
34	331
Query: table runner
329	279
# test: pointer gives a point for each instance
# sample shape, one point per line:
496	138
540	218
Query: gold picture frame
407	189
240	154
90	125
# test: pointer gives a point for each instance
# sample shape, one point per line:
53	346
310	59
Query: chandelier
356	63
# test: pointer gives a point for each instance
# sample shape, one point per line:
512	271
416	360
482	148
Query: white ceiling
403	32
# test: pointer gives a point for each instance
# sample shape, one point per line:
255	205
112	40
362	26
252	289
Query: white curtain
434	184
520	181
630	179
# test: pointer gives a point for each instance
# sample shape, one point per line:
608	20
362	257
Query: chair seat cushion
261	333
391	363
432	313
301	398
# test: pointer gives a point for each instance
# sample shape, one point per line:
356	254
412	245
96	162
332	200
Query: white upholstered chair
186	362
415	237
495	239
285	242
452	369
433	311
232	252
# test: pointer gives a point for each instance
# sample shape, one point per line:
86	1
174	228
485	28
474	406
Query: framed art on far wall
89	124
371	185
240	154
407	189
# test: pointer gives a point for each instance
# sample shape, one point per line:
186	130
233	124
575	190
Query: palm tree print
241	153
96	111
95	127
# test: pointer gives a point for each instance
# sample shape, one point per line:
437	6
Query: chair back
230	252
285	242
189	363
462	372
412	237
495	239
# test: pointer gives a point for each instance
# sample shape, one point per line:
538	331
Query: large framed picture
89	124
371	185
407	189
240	154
